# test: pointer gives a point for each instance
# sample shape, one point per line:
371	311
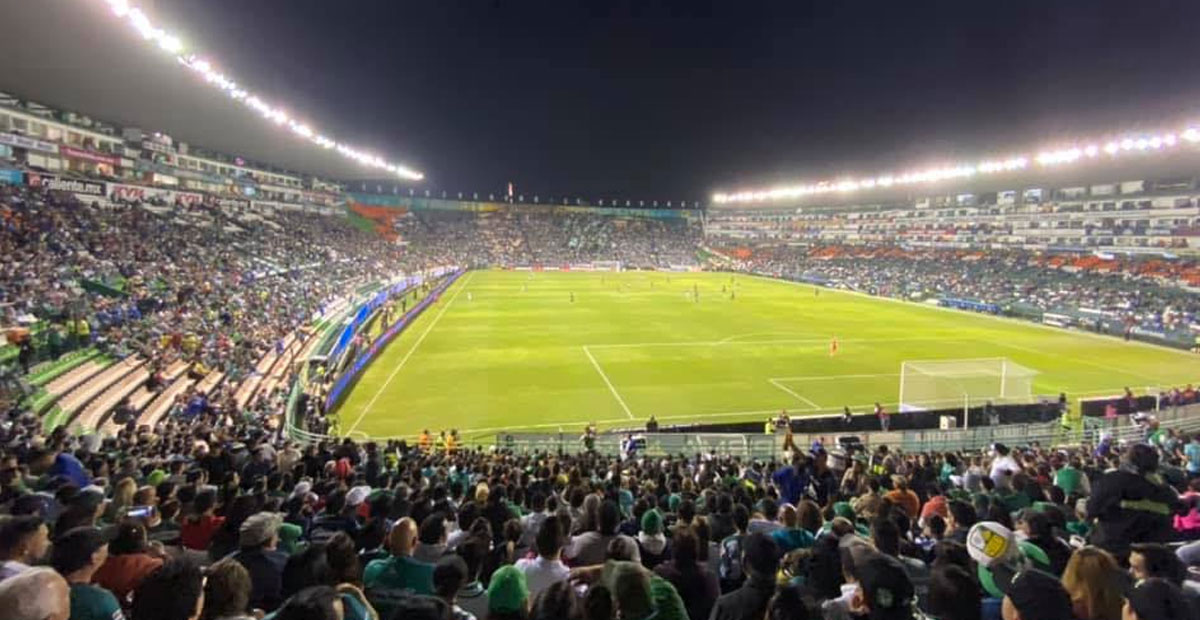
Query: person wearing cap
1035	595
129	560
257	539
653	545
1157	599
637	593
884	591
760	562
1132	504
77	555
508	594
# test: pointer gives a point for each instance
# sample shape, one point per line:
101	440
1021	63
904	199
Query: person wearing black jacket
760	560
1132	504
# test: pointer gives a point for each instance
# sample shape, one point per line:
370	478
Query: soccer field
508	351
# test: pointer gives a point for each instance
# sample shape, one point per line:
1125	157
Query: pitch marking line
834	377
611	388
404	360
727	342
1077	360
813	406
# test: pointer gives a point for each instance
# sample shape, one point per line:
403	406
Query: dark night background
675	99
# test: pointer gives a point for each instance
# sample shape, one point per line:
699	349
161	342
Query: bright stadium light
205	69
1045	159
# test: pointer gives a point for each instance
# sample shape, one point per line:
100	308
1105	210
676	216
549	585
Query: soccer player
572	296
470	296
833	346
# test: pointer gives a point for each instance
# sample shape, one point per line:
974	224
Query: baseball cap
73	550
1159	599
1040	595
652	522
1000	556
357	495
259	528
886	587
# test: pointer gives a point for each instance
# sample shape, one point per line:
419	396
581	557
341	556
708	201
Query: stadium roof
80	57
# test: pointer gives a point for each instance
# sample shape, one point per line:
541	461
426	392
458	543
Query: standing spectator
77	555
589	548
400	575
1132	504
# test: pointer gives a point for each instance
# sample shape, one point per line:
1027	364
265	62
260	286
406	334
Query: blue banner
365	357
12	177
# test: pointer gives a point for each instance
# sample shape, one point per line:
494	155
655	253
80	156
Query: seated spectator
884	590
760	562
954	594
24	541
589	548
129	561
449	576
1037	530
77	555
399	575
227	592
431	539
508	595
1093	581
35	594
547	567
175	591
257	553
472	596
557	601
1157	599
693	581
321	603
201	524
791	536
653	546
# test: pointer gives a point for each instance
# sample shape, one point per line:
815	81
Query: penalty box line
727	342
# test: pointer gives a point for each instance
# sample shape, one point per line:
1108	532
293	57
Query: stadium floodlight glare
205	68
1048	158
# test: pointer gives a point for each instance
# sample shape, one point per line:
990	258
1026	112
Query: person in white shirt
24	540
547	567
1002	462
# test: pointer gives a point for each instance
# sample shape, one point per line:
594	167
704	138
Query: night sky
675	99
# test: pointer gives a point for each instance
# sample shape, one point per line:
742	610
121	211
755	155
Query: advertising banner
140	193
97	158
25	142
11	177
75	186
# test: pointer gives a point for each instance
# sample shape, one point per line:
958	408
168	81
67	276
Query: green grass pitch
509	350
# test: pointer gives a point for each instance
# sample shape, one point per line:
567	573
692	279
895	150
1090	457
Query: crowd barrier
764	447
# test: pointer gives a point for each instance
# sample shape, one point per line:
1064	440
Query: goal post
955	383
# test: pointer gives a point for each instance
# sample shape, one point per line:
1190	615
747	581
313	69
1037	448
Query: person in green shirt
1070	479
77	555
395	577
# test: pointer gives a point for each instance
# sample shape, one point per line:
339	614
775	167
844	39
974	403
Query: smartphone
140	512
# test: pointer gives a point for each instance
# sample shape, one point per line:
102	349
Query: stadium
650	331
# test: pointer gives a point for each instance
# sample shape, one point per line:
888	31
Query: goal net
954	383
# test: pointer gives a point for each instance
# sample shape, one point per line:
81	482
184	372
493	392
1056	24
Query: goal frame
1004	366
